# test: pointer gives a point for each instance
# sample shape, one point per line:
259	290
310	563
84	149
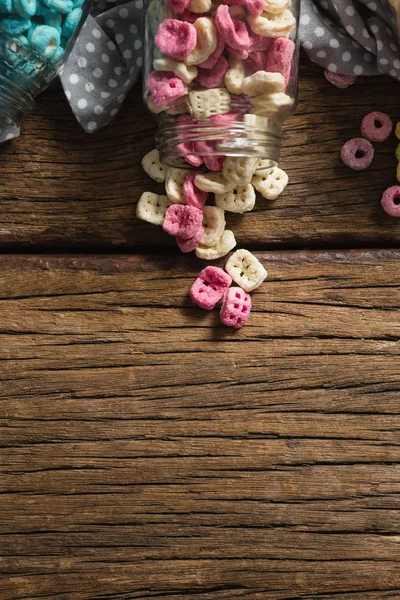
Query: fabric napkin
351	37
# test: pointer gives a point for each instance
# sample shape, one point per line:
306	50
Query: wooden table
147	451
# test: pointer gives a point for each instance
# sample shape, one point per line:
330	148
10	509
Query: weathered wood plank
61	187
148	452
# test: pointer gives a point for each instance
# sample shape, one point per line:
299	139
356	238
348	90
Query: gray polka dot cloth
351	37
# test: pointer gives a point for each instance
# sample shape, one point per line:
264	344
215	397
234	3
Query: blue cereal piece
62	6
53	19
71	22
14	25
6	7
78	3
45	40
57	56
25	8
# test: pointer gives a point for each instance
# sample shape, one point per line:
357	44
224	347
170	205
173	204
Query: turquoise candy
45	40
71	22
25	8
62	6
14	25
6	7
53	19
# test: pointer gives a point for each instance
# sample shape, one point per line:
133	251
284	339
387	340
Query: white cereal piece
235	75
276	7
204	104
272	25
153	166
262	82
270	182
180	69
213	182
206	41
263	164
152	208
174	184
213	224
246	270
240	200
200	6
225	244
270	104
238	169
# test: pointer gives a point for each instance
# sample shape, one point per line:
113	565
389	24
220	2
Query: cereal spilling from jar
222	73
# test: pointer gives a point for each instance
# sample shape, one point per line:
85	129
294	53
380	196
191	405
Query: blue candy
62	6
45	40
71	22
25	8
14	25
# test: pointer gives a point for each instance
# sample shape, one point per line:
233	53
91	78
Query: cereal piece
193	159
188	16
192	194
71	22
211	78
192	243
398	153
174	184
178	6
182	221
225	244
153	166
212	60
259	43
376	127
180	69
62	6
235	76
239	54
214	162
276	7
397	131
200	6
339	80
209	287
45	40
262	82
235	10
214	225
165	88
236	307
233	31
239	170
255	62
152	208
391	201
213	182
6	7
270	25
24	8
357	154
204	104
239	200
255	7
270	183
206	41
280	58
14	26
267	105
246	270
176	39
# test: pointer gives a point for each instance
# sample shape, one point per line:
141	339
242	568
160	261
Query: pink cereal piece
255	7
338	80
212	60
192	194
233	31
165	87
259	43
214	162
236	307
189	17
239	54
178	6
255	62
357	154
192	243
391	201
376	127
176	39
210	78
182	220
280	57
193	159
209	287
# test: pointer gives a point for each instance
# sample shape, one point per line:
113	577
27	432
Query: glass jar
35	39
221	77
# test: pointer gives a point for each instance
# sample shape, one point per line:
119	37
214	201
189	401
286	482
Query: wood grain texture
149	452
61	187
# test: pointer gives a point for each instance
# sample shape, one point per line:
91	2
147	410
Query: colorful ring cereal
357	154
176	39
338	80
376	127
391	201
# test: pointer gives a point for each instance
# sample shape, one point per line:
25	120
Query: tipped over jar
221	76
35	39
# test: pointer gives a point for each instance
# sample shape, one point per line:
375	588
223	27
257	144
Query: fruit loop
210	59
376	127
357	154
391	201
